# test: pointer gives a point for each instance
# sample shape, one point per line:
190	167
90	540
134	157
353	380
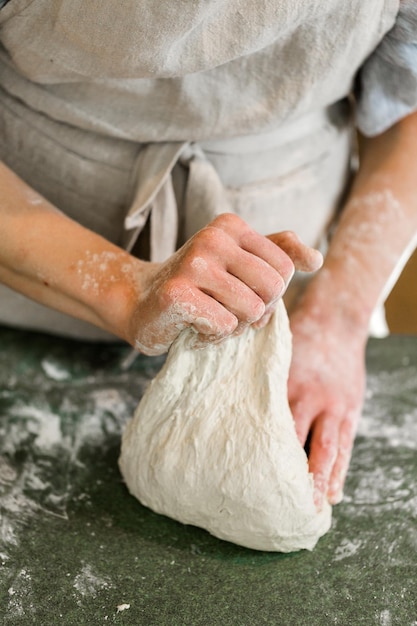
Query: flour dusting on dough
213	443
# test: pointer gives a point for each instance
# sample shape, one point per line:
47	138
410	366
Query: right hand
223	279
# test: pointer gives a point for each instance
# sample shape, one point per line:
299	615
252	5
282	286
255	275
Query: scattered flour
21	601
48	426
87	583
346	549
396	421
54	371
385	618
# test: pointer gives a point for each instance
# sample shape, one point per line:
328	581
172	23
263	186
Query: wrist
330	303
115	289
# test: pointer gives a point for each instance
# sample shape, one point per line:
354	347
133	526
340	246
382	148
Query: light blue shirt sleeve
387	83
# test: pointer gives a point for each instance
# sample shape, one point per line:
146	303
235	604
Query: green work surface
77	549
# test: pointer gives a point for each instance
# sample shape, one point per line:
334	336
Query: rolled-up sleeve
386	89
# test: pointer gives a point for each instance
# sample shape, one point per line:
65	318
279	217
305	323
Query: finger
323	454
206	315
305	259
303	412
262	278
201	341
338	476
252	242
267	251
236	296
244	254
183	305
264	319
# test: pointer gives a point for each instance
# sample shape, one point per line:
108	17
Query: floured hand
326	387
223	279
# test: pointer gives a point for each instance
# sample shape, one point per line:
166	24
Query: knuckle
172	291
207	241
328	445
347	432
226	221
291	237
289	241
253	311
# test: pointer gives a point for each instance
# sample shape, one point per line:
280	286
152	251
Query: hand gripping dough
213	443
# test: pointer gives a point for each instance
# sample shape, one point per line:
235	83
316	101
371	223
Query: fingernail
319	260
272	305
289	279
239	330
262	322
285	283
336	493
336	497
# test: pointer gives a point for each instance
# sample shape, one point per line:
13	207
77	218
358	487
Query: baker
147	151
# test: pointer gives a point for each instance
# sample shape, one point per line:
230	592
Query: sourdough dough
213	443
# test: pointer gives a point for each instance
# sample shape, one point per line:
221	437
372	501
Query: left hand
326	387
330	323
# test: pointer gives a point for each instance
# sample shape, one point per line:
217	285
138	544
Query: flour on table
213	443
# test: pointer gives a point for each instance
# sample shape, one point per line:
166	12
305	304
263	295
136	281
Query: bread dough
213	443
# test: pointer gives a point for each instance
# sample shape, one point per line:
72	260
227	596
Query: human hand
223	279
326	388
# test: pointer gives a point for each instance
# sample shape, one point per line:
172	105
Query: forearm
330	323
377	225
54	260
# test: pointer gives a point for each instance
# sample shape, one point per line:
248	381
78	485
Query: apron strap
154	196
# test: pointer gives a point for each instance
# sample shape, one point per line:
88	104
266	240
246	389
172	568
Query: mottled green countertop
76	549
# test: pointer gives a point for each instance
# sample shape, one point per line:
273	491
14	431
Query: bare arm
50	258
331	323
226	277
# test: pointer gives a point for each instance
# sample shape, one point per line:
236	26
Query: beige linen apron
174	112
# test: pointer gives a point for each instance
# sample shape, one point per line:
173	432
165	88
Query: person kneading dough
153	153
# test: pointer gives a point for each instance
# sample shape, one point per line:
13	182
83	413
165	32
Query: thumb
305	259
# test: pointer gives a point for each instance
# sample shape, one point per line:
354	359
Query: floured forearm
57	262
377	228
330	323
